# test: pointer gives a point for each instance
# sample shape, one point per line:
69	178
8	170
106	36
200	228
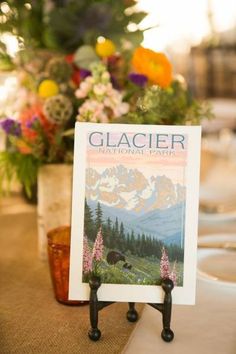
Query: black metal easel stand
132	316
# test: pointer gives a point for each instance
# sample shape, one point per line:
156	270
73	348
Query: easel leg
132	314
167	334
94	333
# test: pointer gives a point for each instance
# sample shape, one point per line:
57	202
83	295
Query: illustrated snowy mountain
129	189
152	206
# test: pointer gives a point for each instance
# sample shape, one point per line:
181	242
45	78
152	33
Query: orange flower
154	65
27	115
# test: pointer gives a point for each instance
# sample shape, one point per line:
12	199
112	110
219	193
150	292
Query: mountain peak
129	189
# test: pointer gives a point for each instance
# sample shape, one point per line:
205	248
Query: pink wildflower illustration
87	256
98	246
173	275
164	265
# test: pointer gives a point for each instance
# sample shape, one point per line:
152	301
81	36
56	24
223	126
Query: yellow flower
154	65
105	48
48	88
23	147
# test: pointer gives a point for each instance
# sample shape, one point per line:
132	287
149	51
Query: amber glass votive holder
59	263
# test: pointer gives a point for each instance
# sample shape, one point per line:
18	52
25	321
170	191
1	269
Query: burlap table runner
31	320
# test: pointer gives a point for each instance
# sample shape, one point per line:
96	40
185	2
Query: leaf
137	17
15	165
69	132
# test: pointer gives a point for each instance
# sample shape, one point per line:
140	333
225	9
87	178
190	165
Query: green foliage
144	271
83	21
5	59
116	237
88	223
66	25
171	106
23	167
98	219
25	21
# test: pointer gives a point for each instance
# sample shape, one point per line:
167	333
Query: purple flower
164	265
10	127
31	122
173	274
98	246
115	83
138	79
87	257
84	73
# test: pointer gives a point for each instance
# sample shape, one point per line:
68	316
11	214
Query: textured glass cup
59	262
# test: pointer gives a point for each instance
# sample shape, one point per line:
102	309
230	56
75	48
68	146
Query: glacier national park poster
133	226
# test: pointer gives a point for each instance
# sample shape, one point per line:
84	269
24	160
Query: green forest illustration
121	257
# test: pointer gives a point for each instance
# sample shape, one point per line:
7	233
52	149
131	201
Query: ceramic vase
54	201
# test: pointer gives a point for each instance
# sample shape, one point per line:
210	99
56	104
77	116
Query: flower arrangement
94	84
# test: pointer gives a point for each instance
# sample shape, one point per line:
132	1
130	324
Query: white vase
54	201
2	141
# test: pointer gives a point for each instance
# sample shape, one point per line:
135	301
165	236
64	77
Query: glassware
59	262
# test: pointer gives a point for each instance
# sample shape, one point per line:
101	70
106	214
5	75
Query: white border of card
135	293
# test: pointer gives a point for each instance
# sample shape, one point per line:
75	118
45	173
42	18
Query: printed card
135	211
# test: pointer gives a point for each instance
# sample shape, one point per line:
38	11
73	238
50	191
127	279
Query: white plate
213	217
217	188
214	198
217	265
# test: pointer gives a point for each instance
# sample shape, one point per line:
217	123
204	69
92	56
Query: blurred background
131	61
198	38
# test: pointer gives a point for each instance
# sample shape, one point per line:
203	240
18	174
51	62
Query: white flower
121	109
90	80
108	102
93	111
103	102
83	90
99	89
105	76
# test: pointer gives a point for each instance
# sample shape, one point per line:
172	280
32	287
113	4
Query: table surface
31	320
209	327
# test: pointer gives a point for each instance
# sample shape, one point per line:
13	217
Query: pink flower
123	108
164	265
98	246
84	89
87	257
173	275
102	102
93	111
